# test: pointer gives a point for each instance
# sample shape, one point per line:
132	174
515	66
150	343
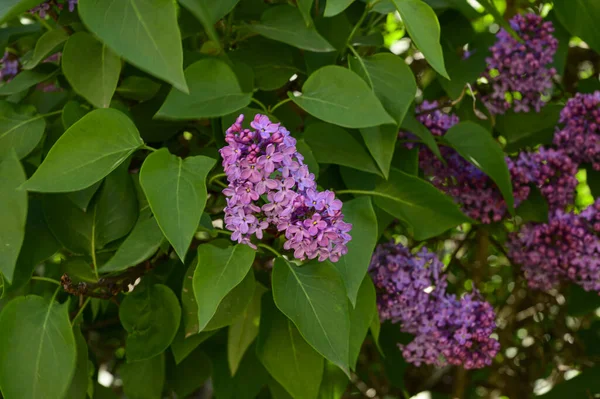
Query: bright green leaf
21	129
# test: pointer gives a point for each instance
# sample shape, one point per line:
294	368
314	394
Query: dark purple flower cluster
565	248
412	291
517	71
9	67
263	165
579	135
43	9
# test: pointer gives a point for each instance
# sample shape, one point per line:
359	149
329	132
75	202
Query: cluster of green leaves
113	181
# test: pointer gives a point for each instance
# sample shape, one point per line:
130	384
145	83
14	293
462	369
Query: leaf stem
146	147
215	177
280	103
360	21
81	309
44	23
269	248
367	192
52	113
260	104
362	64
227	233
47	279
93	249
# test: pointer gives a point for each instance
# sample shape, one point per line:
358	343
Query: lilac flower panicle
517	71
411	290
262	163
567	248
9	67
43	9
579	132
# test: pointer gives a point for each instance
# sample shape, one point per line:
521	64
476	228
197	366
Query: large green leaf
144	32
381	142
13	214
12	8
427	211
244	330
391	80
151	316
361	318
214	92
88	151
477	145
44	46
285	24
314	298
322	137
218	272
37	349
176	191
290	360
353	266
580	17
144	240
424	29
339	96
144	379
234	304
91	68
21	129
334	7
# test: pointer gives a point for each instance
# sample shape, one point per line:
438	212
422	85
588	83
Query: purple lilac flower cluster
565	248
9	67
412	291
517	71
580	133
263	164
43	9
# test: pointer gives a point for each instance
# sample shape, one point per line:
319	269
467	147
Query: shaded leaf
361	318
580	17
21	129
44	46
144	379
381	142
26	79
334	7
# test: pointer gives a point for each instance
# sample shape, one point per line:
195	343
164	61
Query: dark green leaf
477	146
580	17
91	149
81	378
138	88
322	137
182	346
305	7
244	329
528	129
334	7
144	379
234	303
91	68
339	96
189	375
44	46
214	91
27	79
218	272
176	191
145	33
37	349
381	141
412	125
245	384
334	382
290	360
309	157
581	302
13	214
361	318
83	197
391	79
21	129
12	8
151	316
188	302
581	386
72	112
424	29
285	24
200	9
534	208
353	266
314	298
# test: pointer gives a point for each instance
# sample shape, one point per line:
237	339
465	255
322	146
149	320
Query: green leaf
144	379
339	96
580	386
26	79
188	302
477	146
424	29
12	8
218	9
214	91
427	211
176	192
285	24
218	272
182	346
334	382
13	214
44	46
530	128
361	318
145	33
151	316
243	331
83	197
21	129
314	298
88	151
411	124
305	7
381	142
234	304
353	266
81	378
534	208
245	384
144	240
391	79
580	17
200	9
290	360
189	375
335	7
138	88
37	349
322	137
91	68
72	112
